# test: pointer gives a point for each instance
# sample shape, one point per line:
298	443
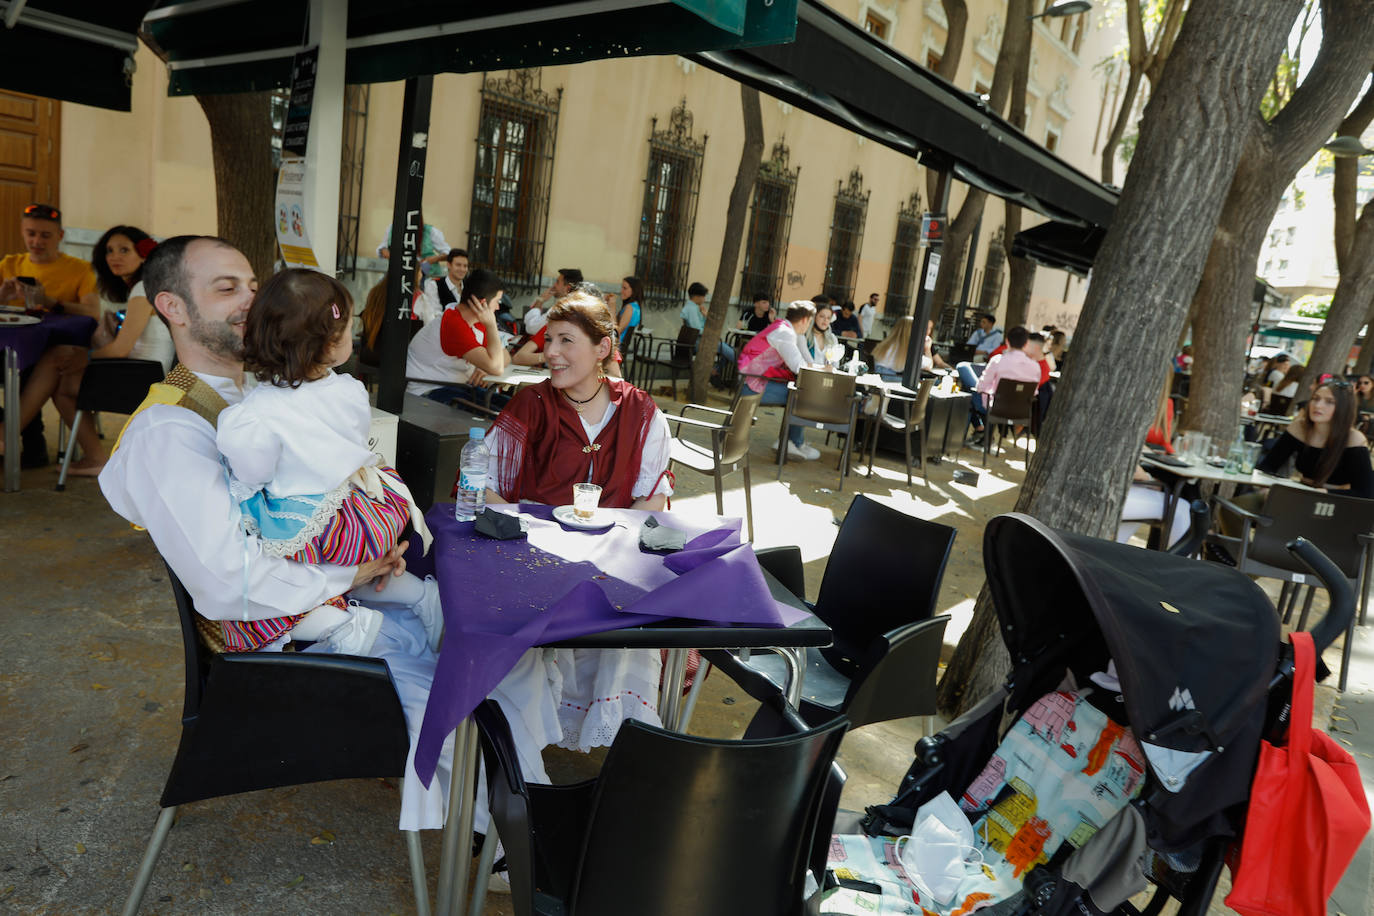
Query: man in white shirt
445	292
165	476
868	312
563	282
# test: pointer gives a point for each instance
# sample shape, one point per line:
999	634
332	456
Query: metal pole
329	33
405	242
925	285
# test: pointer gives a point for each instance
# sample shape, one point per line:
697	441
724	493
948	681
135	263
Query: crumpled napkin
656	536
500	526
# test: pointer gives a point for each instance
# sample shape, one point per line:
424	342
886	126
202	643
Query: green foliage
1126	149
1313	306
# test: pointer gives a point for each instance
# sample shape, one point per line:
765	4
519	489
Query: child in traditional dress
300	464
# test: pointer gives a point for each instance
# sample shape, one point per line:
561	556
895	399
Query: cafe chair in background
1340	526
1013	404
729	449
821	400
114	385
673	825
904	415
673	355
262	720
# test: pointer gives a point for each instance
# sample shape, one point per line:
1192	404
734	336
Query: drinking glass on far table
586	498
833	354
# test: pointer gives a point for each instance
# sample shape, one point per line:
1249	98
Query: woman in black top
1330	452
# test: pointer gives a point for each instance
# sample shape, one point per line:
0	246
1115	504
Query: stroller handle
1342	596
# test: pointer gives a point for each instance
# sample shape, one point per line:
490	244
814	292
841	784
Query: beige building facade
152	167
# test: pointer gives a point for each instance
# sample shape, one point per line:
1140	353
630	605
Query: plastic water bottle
472	476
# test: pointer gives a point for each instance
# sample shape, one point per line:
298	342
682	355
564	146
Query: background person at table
440	293
581	426
758	316
986	338
306	482
629	314
433	246
889	356
694	309
819	337
166	476
563	282
1020	362
1285	391
455	353
847	324
1145	500
773	358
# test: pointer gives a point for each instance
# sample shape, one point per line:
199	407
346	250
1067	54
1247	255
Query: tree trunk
1345	179
1366	357
956	14
245	181
1274	151
1020	272
1350	304
1149	264
751	155
1013	59
1141	62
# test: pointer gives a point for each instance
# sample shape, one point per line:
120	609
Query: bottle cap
477	434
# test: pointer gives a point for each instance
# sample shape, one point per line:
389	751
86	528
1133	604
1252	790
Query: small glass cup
1249	457
586	499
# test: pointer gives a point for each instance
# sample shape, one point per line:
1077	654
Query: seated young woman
581	426
1329	451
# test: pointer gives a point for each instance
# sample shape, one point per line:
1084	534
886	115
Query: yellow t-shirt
65	279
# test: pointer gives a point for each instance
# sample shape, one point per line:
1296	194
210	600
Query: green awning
246	45
1282	332
74	50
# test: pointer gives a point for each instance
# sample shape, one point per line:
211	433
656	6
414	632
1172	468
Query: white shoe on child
357	634
431	613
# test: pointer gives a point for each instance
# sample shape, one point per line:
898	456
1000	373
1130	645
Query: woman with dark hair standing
629	316
1329	451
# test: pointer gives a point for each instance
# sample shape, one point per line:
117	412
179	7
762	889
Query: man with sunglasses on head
43	277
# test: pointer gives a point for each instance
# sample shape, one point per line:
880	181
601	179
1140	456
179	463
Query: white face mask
940	850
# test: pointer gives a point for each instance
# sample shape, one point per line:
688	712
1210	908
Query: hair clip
334	307
145	247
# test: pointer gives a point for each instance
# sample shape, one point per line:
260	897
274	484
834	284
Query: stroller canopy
1195	646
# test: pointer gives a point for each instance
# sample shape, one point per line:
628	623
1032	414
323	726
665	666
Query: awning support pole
915	349
405	242
328	33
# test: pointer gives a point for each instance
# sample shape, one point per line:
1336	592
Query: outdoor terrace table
586	589
24	340
1193	470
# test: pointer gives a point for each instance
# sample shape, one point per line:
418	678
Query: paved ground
91	682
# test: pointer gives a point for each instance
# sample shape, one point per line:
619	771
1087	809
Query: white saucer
18	320
566	516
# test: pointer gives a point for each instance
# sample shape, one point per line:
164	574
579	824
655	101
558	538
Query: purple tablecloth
30	340
502	598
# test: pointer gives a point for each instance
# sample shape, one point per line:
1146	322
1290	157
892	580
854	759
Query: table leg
484	863
670	688
456	858
11	420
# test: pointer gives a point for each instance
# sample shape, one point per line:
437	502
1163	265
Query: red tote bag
1307	813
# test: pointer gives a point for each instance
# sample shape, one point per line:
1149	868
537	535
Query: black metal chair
1013	404
673	355
261	720
1341	527
883	576
729	448
910	420
114	385
821	400
674	824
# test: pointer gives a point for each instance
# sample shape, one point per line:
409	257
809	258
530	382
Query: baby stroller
1200	675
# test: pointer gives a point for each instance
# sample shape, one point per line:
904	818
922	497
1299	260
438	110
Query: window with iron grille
770	226
669	216
516	133
846	237
901	274
991	292
351	175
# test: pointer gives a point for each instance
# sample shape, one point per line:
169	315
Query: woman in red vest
582	426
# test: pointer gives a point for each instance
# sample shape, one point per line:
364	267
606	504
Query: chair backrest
197	655
917	414
896	678
824	397
736	443
1012	400
686	339
1332	522
689	825
883	572
785	565
117	385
